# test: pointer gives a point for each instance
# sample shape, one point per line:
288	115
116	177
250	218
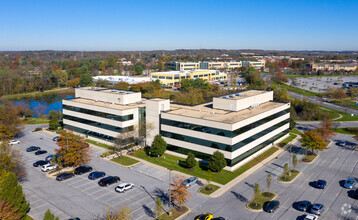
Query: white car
14	142
48	167
124	187
311	217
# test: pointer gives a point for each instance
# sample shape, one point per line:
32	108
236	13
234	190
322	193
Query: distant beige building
334	67
216	65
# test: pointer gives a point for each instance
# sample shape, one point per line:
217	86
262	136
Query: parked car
311	217
32	148
39	163
321	184
55	138
271	206
205	216
82	169
14	142
39	152
341	143
317	209
218	218
64	176
355	194
190	181
124	187
96	175
48	167
109	180
349	183
49	157
303	205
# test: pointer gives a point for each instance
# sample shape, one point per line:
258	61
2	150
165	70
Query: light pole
169	194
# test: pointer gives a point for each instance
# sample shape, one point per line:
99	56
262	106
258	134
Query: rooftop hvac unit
232	96
130	92
213	113
238	94
225	97
113	90
122	91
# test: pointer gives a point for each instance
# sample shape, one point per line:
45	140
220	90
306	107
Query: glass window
99	114
161	77
169	77
155	77
182	77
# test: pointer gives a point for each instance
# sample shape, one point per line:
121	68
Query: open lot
84	198
320	84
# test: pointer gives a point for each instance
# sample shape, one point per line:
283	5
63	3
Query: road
303	126
325	104
333	165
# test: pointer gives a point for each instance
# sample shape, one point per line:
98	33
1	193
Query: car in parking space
341	143
40	163
48	167
109	180
349	183
271	206
190	181
304	205
321	184
64	176
32	148
317	208
49	157
12	142
82	169
311	217
124	187
96	174
218	218
39	152
55	138
205	216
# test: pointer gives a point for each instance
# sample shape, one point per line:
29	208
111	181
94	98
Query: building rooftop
128	79
243	94
108	104
106	90
206	112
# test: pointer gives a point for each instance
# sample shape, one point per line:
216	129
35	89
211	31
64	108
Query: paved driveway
81	197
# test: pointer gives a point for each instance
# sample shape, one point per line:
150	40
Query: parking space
84	198
320	84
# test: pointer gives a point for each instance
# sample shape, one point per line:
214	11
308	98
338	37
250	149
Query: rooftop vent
238	94
213	113
232	96
225	97
122	91
130	92
113	90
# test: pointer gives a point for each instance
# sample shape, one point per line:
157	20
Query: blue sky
148	25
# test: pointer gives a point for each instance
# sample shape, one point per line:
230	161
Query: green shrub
217	162
190	160
158	147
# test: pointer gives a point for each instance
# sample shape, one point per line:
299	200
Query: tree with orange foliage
326	129
73	151
8	211
313	140
10	123
179	192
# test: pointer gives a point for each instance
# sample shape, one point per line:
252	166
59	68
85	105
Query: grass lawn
346	116
308	158
299	91
295	131
352	131
175	214
200	170
59	131
288	139
287	178
212	188
36	121
258	202
125	161
346	103
99	144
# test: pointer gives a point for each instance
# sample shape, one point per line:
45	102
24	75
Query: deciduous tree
312	140
7	211
10	123
11	161
158	207
73	150
268	181
179	192
294	161
120	213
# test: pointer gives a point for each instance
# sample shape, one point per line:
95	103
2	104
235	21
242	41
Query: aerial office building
216	65
240	125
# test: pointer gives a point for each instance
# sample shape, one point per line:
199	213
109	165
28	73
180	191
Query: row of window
99	124
225	147
89	133
99	114
234	161
221	132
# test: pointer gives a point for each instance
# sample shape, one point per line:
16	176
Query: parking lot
333	165
84	198
320	84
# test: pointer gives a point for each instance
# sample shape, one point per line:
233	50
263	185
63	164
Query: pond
42	106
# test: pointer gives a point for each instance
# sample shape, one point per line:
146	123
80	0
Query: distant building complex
222	65
334	67
240	125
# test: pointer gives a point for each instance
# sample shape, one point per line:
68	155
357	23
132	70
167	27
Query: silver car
317	208
190	181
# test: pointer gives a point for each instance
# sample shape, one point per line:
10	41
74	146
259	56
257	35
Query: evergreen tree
158	146
86	79
11	193
217	162
190	160
54	122
50	216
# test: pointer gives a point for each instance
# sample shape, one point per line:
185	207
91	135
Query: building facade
216	65
334	67
240	125
173	78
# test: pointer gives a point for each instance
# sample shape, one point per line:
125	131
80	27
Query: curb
278	179
311	161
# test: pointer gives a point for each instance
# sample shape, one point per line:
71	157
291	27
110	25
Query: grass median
208	189
109	147
174	214
35	121
289	176
351	131
200	170
125	161
287	140
260	200
308	158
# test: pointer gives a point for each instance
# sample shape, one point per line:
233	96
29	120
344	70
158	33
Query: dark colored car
321	184
39	163
96	175
39	152
109	180
56	138
218	218
64	176
32	148
303	205
271	206
82	169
